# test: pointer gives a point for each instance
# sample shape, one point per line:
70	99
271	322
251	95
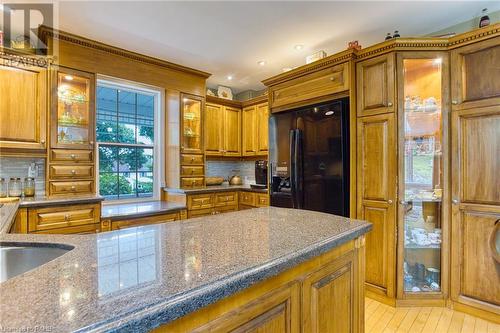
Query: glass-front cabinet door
422	161
191	124
73	115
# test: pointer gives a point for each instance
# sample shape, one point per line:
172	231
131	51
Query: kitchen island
269	268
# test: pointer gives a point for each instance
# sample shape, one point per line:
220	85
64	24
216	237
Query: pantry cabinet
24	108
475	197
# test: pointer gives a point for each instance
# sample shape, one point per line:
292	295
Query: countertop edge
144	320
216	188
49	202
7	222
140	215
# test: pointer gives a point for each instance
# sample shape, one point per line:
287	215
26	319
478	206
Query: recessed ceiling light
298	47
287	69
68	78
328	113
262	63
229	77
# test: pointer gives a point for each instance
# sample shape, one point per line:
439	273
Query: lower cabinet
108	225
323	295
222	202
71	219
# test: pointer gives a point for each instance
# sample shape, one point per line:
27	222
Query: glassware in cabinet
422	174
192	130
74	114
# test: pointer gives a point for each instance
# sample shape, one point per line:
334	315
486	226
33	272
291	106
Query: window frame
159	135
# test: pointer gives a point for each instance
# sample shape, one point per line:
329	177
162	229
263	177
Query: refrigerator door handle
299	177
293	169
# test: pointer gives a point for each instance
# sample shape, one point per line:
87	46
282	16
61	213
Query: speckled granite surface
135	279
44	201
138	209
216	188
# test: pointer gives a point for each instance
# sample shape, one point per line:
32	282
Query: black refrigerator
309	158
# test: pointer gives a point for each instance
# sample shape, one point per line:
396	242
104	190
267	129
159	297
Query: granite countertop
216	188
45	201
138	209
135	279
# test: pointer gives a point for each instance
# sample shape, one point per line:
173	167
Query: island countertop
139	278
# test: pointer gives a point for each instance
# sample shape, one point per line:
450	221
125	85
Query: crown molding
22	59
48	32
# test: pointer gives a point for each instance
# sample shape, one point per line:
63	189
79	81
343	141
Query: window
127	139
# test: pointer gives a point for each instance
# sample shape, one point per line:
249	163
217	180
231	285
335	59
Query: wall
225	169
18	167
467	25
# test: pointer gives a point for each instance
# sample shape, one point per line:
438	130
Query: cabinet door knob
402	202
73	172
42	141
73	188
455	201
332	79
389	104
192	159
91	142
73	156
389	202
454	102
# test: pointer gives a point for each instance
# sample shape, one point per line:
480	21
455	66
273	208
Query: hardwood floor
383	318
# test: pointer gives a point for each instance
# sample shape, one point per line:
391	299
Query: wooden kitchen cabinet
475	282
214	126
474	75
377	183
107	225
232	131
255	126
24	108
375	85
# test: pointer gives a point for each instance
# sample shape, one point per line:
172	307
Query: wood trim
223	101
48	32
254	101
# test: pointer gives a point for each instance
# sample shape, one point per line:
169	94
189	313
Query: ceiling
230	38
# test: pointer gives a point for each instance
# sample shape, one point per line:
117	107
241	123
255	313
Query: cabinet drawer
74	156
79	187
262	200
170	217
192	170
192	182
226	199
247	198
71	171
200	201
60	217
80	229
226	209
200	212
190	159
325	82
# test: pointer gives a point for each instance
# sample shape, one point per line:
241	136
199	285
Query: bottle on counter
396	34
15	187
485	19
29	187
3	188
388	36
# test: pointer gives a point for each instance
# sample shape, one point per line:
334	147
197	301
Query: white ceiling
229	38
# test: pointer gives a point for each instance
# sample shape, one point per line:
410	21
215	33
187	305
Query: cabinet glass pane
73	112
423	175
191	112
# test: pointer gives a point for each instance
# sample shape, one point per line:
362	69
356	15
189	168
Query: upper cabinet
375	85
73	112
475	73
255	130
232	131
214	125
23	108
191	124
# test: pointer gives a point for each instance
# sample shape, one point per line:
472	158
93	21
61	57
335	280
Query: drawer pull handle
389	104
73	187
332	79
73	156
66	217
73	172
42	141
192	171
454	102
192	159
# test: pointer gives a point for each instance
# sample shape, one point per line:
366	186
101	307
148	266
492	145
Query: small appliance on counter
260	174
235	179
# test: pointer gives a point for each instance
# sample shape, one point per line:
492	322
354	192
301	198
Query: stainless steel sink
15	259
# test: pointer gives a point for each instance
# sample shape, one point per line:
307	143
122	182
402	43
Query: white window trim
159	130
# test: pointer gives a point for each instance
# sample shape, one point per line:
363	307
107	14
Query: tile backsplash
225	169
19	166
